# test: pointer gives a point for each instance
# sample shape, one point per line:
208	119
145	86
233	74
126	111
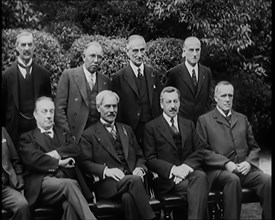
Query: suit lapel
101	134
123	138
201	77
150	83
129	77
163	129
182	131
101	82
80	80
14	82
234	118
186	77
219	118
40	139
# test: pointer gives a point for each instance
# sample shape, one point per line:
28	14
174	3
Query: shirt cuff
171	172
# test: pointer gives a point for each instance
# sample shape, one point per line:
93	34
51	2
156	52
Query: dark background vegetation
236	37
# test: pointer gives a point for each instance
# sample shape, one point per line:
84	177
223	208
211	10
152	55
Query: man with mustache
174	152
192	79
138	87
234	160
76	92
22	84
116	159
51	175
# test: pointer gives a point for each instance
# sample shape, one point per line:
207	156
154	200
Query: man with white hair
234	160
77	89
116	159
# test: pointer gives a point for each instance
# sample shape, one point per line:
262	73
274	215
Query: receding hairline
93	43
191	39
22	34
100	96
222	83
42	98
134	37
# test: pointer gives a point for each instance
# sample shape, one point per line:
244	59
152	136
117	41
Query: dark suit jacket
97	146
10	96
192	104
11	163
225	140
71	102
33	147
123	83
162	153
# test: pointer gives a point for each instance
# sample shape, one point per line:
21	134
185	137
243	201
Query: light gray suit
71	102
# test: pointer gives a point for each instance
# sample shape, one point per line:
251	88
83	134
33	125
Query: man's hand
177	180
182	171
231	166
243	167
68	162
114	173
54	154
138	171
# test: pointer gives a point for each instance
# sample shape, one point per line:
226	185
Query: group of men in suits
117	130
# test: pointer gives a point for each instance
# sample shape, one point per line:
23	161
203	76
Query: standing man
192	79
76	92
234	160
12	181
138	87
116	159
22	84
174	152
51	175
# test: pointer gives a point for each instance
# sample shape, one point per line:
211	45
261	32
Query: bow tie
49	133
107	125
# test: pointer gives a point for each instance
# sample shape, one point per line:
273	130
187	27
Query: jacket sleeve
211	158
254	154
34	158
61	101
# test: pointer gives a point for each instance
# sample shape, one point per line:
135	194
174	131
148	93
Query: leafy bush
65	32
47	53
115	56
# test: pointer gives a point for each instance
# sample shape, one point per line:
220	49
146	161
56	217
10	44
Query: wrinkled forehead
224	89
94	49
44	104
192	43
27	38
136	43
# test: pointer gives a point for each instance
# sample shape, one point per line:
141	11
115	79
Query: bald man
138	87
76	92
192	79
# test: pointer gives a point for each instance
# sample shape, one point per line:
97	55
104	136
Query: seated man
234	159
116	159
50	172
12	181
173	150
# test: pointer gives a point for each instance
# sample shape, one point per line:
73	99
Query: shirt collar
135	68
89	75
168	119
223	114
21	62
42	130
190	68
105	122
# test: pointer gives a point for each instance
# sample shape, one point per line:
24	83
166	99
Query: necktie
112	131
48	133
174	129
91	82
27	68
194	79
139	73
228	119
